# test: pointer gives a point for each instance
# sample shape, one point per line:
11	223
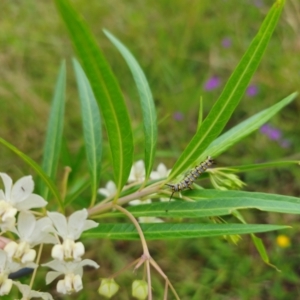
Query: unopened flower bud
108	287
140	289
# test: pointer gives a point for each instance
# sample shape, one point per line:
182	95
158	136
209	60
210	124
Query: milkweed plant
56	219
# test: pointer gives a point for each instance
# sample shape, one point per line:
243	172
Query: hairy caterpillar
191	177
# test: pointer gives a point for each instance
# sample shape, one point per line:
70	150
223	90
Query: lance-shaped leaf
270	164
162	231
212	194
218	205
146	100
237	133
91	127
54	131
231	95
31	163
106	91
258	243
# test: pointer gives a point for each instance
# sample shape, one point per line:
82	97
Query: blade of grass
146	100
106	91
91	128
217	118
54	131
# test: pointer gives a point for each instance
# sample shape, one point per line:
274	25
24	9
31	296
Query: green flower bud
108	287
140	289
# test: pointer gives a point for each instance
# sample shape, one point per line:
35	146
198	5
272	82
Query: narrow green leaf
258	243
106	91
231	95
159	231
54	130
215	206
91	127
48	181
200	113
146	100
232	136
212	194
260	247
270	164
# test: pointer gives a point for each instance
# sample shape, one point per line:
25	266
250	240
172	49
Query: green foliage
55	130
99	92
106	90
147	103
91	128
220	113
175	231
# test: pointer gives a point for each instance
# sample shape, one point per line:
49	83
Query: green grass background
179	46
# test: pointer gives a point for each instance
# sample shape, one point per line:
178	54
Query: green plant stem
37	262
146	255
64	183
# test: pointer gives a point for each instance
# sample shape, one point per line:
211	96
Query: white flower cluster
137	174
16	202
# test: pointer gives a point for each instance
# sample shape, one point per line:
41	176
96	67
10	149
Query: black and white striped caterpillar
191	177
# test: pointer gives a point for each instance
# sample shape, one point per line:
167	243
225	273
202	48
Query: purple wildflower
271	132
275	134
212	83
252	90
226	42
265	129
178	116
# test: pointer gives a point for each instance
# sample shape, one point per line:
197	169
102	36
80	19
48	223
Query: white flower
137	173
73	271
31	233
68	250
6	267
161	172
5	285
70	230
70	284
16	198
109	190
27	293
